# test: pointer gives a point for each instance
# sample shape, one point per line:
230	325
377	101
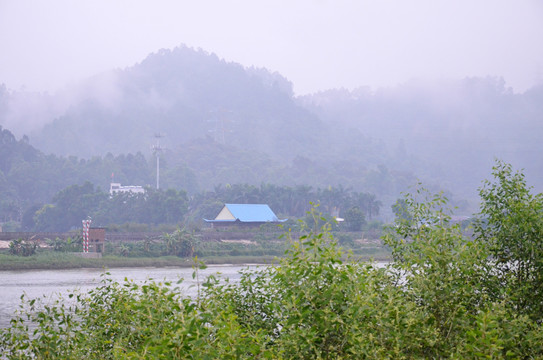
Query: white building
116	188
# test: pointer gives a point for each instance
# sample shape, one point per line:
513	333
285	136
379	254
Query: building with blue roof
245	214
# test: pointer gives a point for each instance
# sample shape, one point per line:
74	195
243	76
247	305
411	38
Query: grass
52	260
215	253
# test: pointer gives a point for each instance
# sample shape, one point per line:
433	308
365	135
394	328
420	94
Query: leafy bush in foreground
436	300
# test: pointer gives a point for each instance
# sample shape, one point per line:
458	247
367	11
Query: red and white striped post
86	227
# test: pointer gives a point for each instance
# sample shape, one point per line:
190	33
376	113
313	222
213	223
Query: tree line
31	184
172	207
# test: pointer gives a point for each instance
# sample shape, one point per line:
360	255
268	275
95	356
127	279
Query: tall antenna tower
157	150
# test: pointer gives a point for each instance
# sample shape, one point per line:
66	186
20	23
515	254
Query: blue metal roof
250	213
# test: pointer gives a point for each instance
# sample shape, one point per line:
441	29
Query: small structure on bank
93	240
245	215
97	240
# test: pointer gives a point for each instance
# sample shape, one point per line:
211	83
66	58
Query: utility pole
221	126
157	150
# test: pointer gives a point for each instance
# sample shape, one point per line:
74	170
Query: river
49	283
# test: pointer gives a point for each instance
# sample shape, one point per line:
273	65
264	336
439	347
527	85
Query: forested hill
29	178
52	193
455	128
226	123
184	94
222	123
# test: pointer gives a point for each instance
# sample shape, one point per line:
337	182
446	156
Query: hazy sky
316	44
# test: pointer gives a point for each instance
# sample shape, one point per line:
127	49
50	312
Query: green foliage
75	203
70	244
23	247
56	244
179	243
354	219
344	239
312	305
71	205
54	260
441	271
400	210
124	250
10	226
206	249
129	320
511	223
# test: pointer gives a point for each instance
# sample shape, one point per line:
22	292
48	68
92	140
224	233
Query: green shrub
23	247
345	239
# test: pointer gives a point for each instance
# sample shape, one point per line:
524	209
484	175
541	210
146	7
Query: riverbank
57	261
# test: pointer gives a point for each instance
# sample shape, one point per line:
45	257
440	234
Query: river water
50	283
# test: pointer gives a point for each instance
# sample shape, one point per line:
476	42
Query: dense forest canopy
38	190
50	193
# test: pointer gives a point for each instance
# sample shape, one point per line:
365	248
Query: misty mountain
454	129
184	94
206	109
225	123
24	112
